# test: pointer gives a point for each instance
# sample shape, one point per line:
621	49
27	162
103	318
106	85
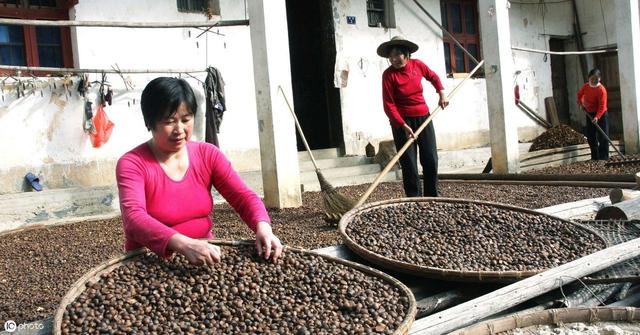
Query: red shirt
155	207
402	91
595	99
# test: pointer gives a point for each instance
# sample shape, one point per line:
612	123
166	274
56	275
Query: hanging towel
215	104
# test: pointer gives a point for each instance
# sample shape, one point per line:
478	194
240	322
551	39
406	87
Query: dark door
312	50
559	80
608	65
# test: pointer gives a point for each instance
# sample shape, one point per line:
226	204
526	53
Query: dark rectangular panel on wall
608	65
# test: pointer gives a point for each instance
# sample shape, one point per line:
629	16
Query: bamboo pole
121	24
565	53
28	69
489	304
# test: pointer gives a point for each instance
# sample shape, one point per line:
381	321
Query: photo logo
10	326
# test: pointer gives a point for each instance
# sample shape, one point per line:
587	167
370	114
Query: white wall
465	122
39	136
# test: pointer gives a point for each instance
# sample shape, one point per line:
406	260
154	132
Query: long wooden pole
489	304
404	148
121	24
27	69
606	137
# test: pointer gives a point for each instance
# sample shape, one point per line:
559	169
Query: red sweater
595	99
402	91
155	207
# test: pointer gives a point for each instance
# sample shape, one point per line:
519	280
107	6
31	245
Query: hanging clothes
215	104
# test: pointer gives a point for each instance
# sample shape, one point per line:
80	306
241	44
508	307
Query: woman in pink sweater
165	183
404	104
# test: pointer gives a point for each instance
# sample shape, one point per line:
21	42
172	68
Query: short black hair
161	98
402	49
595	72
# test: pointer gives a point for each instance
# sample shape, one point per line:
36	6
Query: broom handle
603	133
295	118
410	141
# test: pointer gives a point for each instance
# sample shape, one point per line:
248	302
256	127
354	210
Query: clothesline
564	52
30	69
120	24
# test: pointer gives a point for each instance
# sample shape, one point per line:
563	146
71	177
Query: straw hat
385	48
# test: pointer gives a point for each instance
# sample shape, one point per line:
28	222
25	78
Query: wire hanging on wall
543	11
604	24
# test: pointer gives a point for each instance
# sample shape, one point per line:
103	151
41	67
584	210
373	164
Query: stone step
18	210
341	172
348	181
329	163
319	154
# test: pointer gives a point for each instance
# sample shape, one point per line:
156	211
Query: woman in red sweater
404	104
593	98
165	183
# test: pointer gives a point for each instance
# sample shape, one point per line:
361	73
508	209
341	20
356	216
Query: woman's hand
197	252
444	102
266	241
408	131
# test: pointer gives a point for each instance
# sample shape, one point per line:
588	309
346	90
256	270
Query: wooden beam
625	210
619	195
121	24
489	304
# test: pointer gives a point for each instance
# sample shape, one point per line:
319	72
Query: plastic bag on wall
103	127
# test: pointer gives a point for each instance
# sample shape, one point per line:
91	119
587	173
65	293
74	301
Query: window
380	13
460	18
41	46
199	6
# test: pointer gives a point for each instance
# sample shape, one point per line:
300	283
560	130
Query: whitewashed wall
465	122
38	135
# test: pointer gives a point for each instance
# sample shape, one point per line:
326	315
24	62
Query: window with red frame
460	18
42	46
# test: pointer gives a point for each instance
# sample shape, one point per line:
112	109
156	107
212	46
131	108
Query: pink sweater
155	207
402	91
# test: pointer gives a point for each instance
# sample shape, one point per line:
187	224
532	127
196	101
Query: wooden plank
552	111
480	308
576	208
545	152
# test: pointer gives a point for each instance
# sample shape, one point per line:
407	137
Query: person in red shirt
404	104
592	96
165	183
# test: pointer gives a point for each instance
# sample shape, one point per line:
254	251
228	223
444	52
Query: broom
335	204
410	141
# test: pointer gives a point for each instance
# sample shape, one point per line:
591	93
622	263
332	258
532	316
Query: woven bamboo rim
434	272
553	317
93	275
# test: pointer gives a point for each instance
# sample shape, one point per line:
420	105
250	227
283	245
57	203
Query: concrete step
341	172
329	163
18	210
312	186
319	154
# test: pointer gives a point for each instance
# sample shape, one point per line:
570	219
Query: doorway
312	50
559	80
608	65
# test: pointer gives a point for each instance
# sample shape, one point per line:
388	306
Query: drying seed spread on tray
300	294
470	237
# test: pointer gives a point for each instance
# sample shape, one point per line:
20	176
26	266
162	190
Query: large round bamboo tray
94	274
433	272
555	317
